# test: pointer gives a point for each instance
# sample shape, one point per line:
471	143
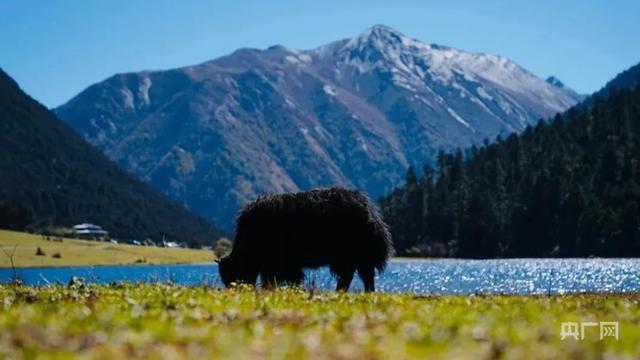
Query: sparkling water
445	276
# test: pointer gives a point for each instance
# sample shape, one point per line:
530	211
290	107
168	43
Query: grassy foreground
75	252
164	321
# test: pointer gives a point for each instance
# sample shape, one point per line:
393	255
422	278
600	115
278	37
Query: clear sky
55	49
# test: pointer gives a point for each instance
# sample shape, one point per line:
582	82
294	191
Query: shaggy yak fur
277	236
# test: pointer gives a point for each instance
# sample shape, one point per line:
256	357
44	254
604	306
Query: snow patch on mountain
458	117
143	90
329	90
297	58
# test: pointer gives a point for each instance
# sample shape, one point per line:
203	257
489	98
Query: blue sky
55	49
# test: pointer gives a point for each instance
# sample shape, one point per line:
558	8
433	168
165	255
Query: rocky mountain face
355	112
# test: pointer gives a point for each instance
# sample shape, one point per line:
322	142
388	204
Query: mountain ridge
627	79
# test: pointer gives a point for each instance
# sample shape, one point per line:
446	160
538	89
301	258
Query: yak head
228	270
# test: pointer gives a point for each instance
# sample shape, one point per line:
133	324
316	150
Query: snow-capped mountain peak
417	66
379	36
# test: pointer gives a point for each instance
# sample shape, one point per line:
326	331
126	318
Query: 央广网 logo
576	330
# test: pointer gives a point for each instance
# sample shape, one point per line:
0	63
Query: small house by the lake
90	232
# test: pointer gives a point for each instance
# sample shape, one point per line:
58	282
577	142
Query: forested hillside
566	187
49	176
627	79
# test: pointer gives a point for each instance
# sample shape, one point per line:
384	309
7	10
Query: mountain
565	188
51	176
355	112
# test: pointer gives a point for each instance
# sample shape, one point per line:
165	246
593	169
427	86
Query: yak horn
217	261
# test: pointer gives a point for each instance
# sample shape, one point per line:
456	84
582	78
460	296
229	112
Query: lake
445	276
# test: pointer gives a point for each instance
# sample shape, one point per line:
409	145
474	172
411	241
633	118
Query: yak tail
382	243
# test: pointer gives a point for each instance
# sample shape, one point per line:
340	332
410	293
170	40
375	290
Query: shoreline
392	260
18	268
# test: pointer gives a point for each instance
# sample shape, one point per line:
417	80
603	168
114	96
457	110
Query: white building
90	231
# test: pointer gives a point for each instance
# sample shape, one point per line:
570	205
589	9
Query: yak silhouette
278	236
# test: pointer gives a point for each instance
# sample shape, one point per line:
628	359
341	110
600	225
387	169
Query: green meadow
175	322
74	252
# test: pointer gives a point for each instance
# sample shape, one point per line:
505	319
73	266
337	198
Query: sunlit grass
164	321
75	252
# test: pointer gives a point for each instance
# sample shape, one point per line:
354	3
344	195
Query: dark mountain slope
51	176
627	79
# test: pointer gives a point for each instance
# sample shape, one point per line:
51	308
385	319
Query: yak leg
269	280
367	275
344	279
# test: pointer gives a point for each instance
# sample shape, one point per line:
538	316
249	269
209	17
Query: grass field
81	252
173	322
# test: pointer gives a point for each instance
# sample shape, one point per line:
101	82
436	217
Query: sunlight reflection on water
446	276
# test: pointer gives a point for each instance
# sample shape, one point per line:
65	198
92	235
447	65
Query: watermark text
577	330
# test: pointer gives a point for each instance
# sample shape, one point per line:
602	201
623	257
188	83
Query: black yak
278	236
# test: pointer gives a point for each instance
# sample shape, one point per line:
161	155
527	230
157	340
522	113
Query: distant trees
568	187
13	217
